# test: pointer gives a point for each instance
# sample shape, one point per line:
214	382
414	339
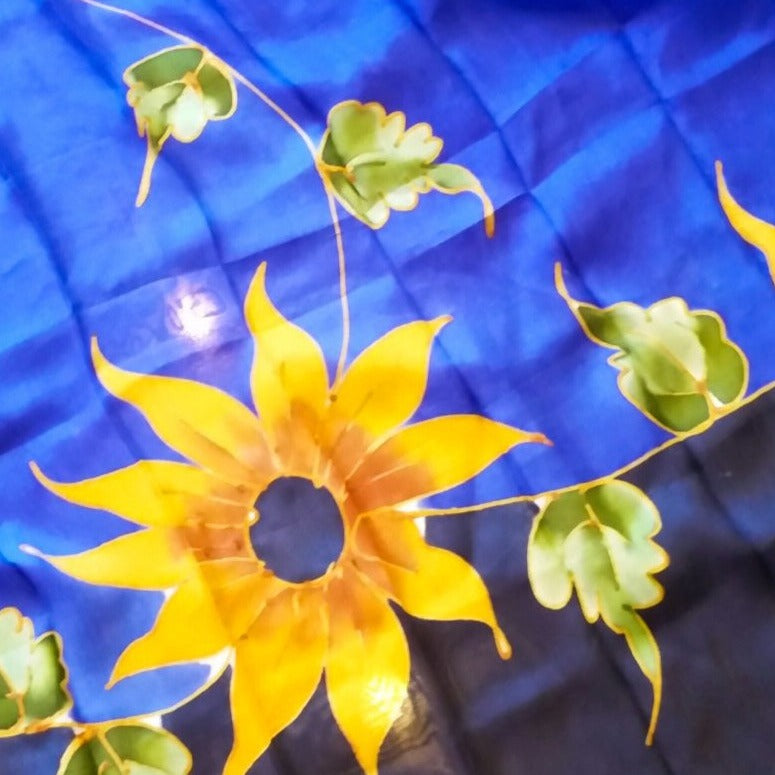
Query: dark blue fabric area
594	127
299	531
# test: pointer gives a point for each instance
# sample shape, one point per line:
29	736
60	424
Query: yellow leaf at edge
754	230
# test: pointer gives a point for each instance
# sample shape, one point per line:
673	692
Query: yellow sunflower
349	439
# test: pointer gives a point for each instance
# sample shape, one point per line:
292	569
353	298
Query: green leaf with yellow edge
675	364
174	93
375	165
753	230
10	713
33	677
598	540
125	748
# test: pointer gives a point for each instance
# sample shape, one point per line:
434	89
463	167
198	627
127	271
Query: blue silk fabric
594	126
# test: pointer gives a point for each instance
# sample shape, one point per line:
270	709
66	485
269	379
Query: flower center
299	532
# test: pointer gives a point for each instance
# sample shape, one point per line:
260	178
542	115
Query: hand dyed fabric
386	387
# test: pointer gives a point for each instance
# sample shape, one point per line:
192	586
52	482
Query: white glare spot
415	505
192	313
383	692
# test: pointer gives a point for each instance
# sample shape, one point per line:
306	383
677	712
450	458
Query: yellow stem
342	288
320	169
306	139
111	752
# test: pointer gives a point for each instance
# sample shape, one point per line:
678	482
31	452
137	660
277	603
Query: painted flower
349	439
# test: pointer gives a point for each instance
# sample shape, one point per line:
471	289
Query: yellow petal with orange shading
289	373
430	457
165	493
204	424
189	608
386	383
420	584
149	559
367	666
277	667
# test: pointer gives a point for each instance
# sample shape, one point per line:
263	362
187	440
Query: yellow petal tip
489	225
256	291
98	359
120	672
37	473
32	551
721	183
441	321
559	284
42	479
502	644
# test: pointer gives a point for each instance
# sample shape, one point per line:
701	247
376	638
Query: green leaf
32	675
46	696
675	364
174	93
9	709
375	165
125	748
598	540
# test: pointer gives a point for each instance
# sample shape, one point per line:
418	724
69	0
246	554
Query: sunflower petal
241	589
367	667
754	230
148	559
202	423
386	383
441	585
153	493
187	628
430	457
277	667
288	368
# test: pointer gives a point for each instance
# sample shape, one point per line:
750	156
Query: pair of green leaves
32	675
34	697
174	93
598	540
125	749
371	161
675	364
374	164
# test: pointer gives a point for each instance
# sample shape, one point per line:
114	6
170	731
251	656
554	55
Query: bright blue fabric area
594	127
